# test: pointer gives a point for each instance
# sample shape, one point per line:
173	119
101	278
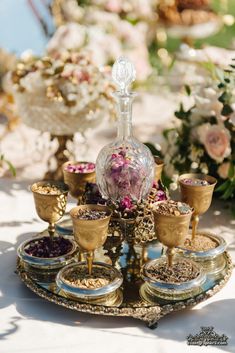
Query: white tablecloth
31	324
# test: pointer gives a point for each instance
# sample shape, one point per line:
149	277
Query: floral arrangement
68	93
108	29
204	138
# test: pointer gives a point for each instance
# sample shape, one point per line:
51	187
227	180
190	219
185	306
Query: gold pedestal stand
60	157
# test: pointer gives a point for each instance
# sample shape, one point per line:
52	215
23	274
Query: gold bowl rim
200	176
60	184
91	207
171	215
76	163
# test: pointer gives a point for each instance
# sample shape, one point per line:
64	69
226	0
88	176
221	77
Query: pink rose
216	140
126	203
113	6
223	170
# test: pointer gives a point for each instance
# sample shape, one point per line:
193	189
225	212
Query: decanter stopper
123	74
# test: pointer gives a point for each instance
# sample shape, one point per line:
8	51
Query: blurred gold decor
189	19
7	108
62	96
185	12
137	29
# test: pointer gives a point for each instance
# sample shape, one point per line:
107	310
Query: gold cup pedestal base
60	157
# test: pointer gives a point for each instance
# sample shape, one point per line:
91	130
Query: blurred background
28	24
183	51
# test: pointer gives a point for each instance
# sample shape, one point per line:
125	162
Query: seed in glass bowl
200	243
195	182
181	271
80	168
79	277
91	214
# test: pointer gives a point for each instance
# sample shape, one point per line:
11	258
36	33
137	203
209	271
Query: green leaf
219	74
187	89
226	110
223	186
233	210
166	180
224	97
182	114
12	169
229	192
166	132
231	171
152	148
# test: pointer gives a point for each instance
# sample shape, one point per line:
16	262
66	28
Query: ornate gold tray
128	259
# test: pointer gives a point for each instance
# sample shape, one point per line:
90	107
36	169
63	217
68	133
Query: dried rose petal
195	182
47	248
80	168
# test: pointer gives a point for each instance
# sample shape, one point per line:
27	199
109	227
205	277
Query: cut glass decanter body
125	167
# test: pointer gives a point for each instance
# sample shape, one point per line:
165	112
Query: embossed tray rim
149	314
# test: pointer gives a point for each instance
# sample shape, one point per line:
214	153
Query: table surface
31	324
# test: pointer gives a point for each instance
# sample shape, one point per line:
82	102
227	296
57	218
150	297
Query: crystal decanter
125	167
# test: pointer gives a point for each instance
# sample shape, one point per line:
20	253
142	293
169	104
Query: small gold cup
50	208
159	164
77	181
171	230
90	234
199	197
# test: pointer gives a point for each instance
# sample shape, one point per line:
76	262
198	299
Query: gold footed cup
50	208
90	234
171	230
77	181
198	197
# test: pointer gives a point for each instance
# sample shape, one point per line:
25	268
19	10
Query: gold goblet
77	181
159	164
90	234
171	230
199	197
50	207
